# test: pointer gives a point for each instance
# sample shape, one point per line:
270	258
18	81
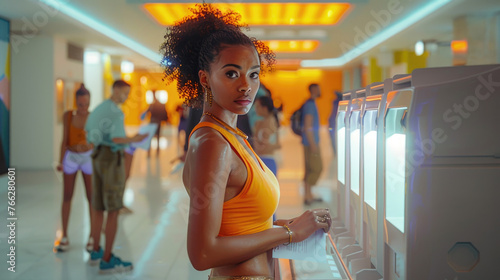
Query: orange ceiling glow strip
292	46
259	13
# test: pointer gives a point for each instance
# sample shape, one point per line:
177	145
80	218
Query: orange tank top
252	209
75	135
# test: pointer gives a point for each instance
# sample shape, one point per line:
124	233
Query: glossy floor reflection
153	237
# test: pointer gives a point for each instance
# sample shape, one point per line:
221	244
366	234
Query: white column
93	77
33	104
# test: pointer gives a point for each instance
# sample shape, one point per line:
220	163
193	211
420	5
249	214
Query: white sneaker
61	245
90	245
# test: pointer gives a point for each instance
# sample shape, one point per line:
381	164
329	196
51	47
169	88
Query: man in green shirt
106	131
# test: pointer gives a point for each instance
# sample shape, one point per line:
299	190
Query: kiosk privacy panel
443	224
342	157
372	156
355	194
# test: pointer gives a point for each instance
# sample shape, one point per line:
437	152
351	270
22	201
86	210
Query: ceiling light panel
292	46
259	13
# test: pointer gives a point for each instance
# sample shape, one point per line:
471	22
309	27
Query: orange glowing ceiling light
287	64
295	46
259	13
459	46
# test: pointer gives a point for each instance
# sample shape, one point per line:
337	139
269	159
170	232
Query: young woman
266	136
75	155
229	228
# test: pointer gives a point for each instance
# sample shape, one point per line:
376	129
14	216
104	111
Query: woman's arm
64	142
210	166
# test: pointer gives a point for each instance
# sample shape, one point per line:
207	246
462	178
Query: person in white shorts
75	155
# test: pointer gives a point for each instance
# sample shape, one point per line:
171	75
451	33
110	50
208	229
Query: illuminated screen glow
370	158
370	168
341	147
355	151
395	169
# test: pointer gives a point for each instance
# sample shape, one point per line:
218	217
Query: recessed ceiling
364	19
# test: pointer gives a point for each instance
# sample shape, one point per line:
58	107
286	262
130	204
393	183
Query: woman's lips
243	102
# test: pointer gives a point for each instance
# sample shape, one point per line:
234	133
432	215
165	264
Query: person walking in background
193	119
266	139
158	115
74	156
310	141
106	131
231	232
332	121
183	112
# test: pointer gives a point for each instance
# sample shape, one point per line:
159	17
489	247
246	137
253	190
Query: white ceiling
129	18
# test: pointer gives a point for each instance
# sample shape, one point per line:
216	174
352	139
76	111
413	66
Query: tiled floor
153	237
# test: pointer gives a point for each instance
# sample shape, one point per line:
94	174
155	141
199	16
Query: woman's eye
232	74
254	75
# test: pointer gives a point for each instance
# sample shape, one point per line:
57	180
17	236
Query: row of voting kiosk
419	176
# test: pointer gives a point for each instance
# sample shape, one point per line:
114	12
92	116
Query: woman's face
82	103
234	78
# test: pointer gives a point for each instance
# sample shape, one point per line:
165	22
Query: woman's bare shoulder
208	153
208	148
206	137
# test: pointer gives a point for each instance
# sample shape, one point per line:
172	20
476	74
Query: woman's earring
208	95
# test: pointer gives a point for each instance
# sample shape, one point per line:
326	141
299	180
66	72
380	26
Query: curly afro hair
194	42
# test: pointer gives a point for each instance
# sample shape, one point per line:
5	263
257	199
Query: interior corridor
153	237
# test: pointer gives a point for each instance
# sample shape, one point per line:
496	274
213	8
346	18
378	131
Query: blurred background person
310	141
158	114
108	183
183	111
266	134
74	156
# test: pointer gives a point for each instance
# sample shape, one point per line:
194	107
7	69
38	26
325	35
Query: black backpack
296	121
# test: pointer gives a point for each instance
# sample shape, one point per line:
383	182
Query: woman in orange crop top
75	155
233	195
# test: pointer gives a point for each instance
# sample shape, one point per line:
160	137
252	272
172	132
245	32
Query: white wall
35	133
70	71
441	57
32	104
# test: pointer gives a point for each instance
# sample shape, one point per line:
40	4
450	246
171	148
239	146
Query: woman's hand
309	222
59	167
